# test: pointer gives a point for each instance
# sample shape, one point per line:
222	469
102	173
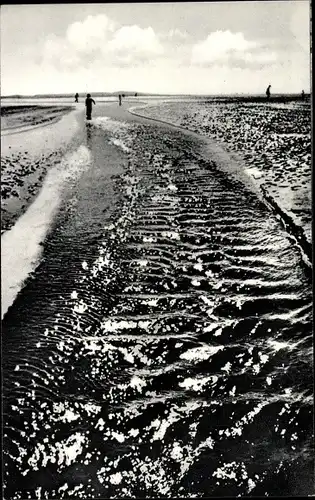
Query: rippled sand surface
273	138
163	346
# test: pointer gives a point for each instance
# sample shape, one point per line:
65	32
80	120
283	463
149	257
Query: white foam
113	326
151	302
110	125
195	282
118	436
198	266
137	383
120	144
115	478
227	367
64	452
196	384
177	452
251	485
201	353
277	346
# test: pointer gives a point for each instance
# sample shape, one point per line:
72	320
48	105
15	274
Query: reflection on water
164	346
88	135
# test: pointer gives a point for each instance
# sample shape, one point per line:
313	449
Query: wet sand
272	140
15	118
162	345
27	153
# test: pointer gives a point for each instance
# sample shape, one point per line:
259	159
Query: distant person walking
268	91
88	105
303	95
76	98
119	97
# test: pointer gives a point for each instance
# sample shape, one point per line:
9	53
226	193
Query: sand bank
26	236
27	154
17	118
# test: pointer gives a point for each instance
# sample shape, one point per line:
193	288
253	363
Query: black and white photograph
156	250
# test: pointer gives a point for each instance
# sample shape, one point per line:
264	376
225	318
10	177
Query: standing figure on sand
268	91
119	97
88	105
76	97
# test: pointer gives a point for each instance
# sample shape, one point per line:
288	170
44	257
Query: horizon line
132	94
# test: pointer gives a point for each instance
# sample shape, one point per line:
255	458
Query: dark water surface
163	347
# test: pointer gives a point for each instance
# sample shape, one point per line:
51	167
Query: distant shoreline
140	94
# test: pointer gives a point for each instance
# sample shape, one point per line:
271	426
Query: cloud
218	46
135	39
57	52
132	44
260	57
99	40
90	34
230	48
98	54
177	34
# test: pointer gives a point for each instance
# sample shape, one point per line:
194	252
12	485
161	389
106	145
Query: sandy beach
157	322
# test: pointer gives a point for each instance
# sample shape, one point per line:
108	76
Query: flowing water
274	139
163	346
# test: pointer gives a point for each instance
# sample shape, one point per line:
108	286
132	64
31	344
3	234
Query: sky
174	48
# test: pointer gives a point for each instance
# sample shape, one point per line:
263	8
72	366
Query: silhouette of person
119	97
76	97
303	95
136	94
88	105
268	91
